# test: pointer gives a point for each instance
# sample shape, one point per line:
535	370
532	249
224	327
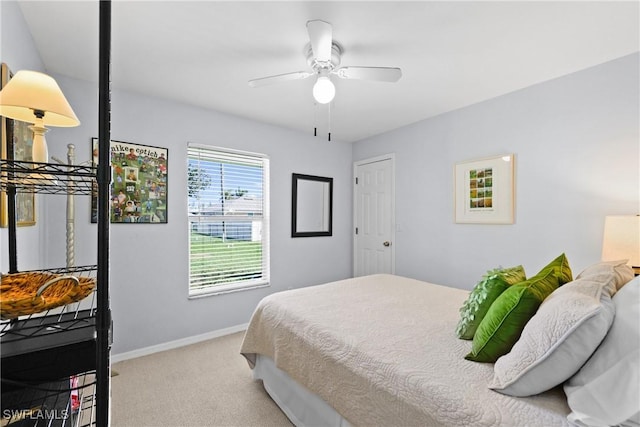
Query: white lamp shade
30	91
324	90
622	239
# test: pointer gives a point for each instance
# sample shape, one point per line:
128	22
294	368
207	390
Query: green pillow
483	295
561	268
510	312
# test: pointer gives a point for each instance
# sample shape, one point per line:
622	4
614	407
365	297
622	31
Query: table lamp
36	98
622	239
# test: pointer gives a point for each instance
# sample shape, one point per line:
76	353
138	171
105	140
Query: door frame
392	219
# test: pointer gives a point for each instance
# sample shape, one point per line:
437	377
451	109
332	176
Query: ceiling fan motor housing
317	66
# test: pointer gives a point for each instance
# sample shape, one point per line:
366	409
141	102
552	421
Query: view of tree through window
227	220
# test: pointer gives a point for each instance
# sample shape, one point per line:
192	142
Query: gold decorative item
34	292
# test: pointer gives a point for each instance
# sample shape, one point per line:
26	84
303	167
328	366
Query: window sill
227	290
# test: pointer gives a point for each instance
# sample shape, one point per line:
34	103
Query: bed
380	351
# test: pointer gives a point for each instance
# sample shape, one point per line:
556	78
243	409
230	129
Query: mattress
381	350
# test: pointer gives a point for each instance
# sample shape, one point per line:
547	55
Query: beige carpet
204	384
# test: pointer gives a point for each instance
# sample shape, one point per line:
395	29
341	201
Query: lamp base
39	152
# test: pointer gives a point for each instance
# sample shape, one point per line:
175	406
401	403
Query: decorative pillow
510	312
507	316
560	266
483	295
606	390
559	338
623	272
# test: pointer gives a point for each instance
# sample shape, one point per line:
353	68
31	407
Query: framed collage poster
485	190
138	183
16	136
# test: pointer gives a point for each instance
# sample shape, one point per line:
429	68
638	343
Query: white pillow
559	338
623	272
606	390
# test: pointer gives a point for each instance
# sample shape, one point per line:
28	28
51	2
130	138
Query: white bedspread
382	351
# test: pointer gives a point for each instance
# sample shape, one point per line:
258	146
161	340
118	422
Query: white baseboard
177	343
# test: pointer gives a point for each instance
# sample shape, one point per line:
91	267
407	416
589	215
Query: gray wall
149	262
576	142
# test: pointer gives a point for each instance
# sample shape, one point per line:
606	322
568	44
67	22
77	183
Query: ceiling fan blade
265	81
381	74
320	35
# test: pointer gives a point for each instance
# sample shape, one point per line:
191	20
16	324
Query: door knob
387	243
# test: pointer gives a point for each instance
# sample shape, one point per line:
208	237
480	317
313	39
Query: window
228	220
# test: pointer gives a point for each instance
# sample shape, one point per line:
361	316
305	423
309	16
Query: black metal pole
11	202
103	314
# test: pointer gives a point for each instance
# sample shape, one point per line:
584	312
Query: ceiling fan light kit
324	90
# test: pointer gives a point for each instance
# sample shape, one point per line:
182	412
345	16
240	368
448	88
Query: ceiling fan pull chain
315	119
329	106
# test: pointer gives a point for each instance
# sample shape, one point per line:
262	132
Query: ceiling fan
323	56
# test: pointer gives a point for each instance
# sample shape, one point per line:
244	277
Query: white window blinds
228	220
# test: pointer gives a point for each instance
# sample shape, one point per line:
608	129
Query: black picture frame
139	183
311	206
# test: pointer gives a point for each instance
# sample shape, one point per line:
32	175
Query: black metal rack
47	178
49	359
50	404
54	344
43	352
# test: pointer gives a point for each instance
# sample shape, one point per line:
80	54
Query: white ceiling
452	54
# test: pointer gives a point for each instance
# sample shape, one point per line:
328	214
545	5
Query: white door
374	219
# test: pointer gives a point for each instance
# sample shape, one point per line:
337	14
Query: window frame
221	154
